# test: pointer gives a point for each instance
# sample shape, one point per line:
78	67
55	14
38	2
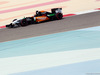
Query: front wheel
24	22
59	16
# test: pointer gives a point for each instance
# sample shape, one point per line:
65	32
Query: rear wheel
59	16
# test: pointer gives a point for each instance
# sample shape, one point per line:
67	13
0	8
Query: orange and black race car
41	16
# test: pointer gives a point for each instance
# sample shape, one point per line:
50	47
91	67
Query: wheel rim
24	22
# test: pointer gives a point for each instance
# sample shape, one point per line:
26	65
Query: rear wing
56	10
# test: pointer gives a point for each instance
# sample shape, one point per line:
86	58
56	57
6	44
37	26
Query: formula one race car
41	16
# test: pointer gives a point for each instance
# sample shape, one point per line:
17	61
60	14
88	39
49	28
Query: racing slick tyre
59	16
24	22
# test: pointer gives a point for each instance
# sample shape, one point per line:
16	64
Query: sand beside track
11	9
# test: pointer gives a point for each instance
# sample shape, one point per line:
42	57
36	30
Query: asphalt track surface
66	24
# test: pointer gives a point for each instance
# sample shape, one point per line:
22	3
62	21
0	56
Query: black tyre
24	22
59	16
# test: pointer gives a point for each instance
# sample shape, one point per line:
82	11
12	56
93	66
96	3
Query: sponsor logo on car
41	18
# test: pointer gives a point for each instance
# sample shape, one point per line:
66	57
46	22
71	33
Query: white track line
40	61
85	12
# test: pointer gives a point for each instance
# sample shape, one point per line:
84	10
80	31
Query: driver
38	13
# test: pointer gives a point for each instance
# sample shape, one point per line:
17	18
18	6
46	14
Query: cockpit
41	13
